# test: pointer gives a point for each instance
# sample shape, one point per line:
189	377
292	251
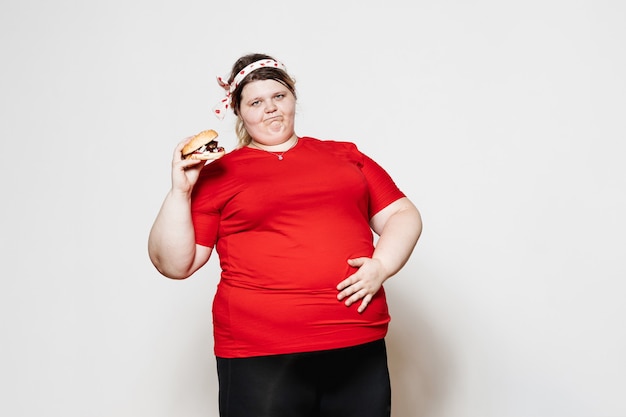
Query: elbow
169	272
419	224
173	275
412	219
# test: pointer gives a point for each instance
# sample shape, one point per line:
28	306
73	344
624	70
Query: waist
252	322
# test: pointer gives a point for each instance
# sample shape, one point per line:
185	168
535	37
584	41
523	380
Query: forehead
262	87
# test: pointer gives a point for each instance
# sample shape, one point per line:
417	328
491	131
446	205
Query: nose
270	106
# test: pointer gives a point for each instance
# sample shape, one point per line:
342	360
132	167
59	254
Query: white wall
503	121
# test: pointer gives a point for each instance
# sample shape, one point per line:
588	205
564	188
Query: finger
364	303
356	296
179	148
356	262
188	163
349	287
343	294
346	283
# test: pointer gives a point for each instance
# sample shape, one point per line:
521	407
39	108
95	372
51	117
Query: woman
300	313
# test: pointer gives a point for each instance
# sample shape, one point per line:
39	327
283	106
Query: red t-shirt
283	230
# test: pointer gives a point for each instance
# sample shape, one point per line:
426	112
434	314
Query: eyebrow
281	91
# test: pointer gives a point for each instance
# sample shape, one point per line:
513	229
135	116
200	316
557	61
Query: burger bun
200	147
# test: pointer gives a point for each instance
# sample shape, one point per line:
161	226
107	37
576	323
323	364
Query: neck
281	147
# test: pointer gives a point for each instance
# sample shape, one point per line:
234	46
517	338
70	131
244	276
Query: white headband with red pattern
220	109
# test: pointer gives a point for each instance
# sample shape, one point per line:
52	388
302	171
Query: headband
220	109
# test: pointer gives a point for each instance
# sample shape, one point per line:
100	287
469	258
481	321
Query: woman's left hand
363	284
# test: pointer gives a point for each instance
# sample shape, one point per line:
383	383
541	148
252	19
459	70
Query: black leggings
348	382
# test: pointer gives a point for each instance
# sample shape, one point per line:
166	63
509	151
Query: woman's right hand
185	172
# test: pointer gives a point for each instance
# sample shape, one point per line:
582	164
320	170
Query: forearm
398	239
171	244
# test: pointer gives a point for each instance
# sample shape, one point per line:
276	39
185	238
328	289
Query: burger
203	146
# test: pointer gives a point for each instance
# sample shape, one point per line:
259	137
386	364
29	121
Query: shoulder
329	145
343	151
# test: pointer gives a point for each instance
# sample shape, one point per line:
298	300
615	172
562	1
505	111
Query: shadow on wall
417	362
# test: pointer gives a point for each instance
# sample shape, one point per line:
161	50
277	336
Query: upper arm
378	221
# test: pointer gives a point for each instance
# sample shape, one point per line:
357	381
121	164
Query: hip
249	322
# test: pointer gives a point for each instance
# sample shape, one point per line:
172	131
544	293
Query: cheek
289	109
249	116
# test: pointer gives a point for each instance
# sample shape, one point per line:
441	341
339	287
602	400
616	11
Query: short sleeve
382	189
205	211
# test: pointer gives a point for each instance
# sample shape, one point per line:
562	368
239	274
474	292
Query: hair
267	73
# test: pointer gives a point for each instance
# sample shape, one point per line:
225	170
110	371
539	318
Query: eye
280	96
255	103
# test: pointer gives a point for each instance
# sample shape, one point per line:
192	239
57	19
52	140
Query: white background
502	121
